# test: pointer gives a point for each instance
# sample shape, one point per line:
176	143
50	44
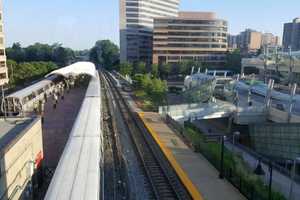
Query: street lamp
235	134
293	177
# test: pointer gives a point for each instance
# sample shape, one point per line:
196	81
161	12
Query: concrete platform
58	124
199	176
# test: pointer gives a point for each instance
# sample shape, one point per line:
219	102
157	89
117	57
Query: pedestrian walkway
198	171
280	183
58	124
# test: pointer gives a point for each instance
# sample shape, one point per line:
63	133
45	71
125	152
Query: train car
77	175
23	100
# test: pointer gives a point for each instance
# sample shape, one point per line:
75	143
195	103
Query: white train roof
76	69
28	90
77	175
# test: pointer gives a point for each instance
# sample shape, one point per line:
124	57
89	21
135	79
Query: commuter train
23	100
78	173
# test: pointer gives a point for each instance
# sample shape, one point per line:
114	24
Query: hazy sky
79	23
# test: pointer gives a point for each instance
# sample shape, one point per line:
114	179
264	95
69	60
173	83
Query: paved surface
58	124
281	182
200	172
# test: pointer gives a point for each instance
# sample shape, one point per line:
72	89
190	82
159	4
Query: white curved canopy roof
76	69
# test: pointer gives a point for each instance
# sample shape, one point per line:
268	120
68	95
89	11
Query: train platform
198	175
58	124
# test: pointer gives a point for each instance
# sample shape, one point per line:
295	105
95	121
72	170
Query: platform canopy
76	69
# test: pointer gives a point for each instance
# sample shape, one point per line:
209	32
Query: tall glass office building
136	26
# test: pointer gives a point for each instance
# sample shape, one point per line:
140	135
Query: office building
21	157
249	41
3	66
291	35
136	26
232	42
198	36
269	39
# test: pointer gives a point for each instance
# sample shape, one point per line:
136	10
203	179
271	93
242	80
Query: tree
154	70
140	68
41	52
165	70
28	71
157	91
62	56
233	60
185	66
105	54
126	68
16	52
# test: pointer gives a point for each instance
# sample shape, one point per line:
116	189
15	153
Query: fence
234	168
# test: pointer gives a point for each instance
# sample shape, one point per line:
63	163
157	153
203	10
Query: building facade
136	26
249	41
3	66
269	39
291	35
197	36
21	158
232	42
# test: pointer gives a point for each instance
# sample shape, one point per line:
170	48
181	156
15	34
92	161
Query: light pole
236	133
293	177
270	179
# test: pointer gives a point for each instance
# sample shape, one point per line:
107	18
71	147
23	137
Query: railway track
163	180
115	187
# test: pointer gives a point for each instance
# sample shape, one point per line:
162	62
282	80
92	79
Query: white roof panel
32	88
77	69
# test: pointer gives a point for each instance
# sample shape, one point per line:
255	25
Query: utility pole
265	63
221	175
291	65
270	179
291	103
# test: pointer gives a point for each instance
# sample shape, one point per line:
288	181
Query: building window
2	52
3	76
2	64
1	40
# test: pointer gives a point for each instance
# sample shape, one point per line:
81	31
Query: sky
80	23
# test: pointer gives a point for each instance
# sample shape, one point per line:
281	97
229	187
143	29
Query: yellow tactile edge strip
180	172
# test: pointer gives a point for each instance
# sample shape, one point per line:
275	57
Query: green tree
157	91
126	68
22	73
61	55
16	52
41	52
105	54
233	60
155	70
140	68
165	70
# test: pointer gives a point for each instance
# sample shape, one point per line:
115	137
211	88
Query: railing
249	184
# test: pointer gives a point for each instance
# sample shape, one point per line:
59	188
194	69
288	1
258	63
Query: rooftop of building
197	15
296	20
192	15
11	128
